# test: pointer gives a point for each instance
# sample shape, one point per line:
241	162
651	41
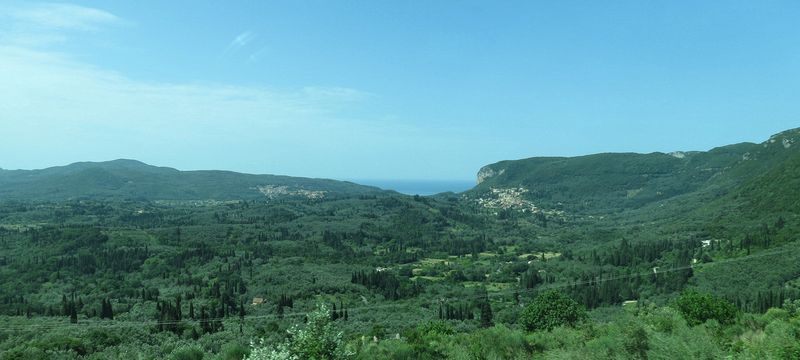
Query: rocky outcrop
487	172
786	138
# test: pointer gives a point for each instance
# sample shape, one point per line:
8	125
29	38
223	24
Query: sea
420	187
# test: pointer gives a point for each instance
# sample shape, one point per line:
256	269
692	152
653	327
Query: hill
130	179
621	235
612	182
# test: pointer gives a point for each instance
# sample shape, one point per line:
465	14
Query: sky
388	89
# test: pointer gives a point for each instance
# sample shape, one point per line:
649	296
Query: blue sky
388	89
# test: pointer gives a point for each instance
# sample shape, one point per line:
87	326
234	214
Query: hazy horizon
388	179
387	90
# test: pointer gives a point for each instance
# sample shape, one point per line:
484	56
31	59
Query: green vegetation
608	256
549	310
133	180
317	340
698	308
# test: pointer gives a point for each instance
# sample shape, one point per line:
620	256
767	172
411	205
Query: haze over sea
420	187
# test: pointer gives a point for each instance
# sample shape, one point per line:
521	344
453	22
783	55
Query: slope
130	179
614	182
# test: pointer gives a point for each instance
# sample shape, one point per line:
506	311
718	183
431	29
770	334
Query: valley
122	259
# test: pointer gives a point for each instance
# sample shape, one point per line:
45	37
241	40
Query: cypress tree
486	314
110	310
64	305
103	309
73	315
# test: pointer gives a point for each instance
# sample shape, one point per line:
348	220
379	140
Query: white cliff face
487	172
678	154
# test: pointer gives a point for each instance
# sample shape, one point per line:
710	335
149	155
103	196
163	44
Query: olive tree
549	310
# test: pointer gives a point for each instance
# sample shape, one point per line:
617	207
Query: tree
73	315
549	310
64	305
317	340
486	314
697	308
486	310
636	341
106	311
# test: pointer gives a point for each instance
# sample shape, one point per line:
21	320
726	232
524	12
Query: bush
318	340
636	341
549	310
233	351
388	349
187	353
436	328
696	308
430	340
498	342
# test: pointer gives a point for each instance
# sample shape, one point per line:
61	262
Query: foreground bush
318	340
697	308
549	310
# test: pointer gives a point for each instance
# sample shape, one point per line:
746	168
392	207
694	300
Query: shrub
636	341
549	310
696	308
233	351
317	340
436	328
430	340
498	342
187	353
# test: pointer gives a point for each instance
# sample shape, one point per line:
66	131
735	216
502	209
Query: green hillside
130	179
612	182
607	256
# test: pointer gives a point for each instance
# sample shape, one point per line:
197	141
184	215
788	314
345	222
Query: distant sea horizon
419	187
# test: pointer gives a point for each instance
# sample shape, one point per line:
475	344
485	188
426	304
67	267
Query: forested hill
130	179
625	256
617	181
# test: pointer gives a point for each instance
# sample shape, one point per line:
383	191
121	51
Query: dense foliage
705	271
549	310
698	308
317	340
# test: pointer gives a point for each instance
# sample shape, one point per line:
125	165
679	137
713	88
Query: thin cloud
258	55
64	16
57	89
241	41
60	110
49	98
43	24
49	92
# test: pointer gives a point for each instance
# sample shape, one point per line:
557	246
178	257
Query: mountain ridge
609	182
133	179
